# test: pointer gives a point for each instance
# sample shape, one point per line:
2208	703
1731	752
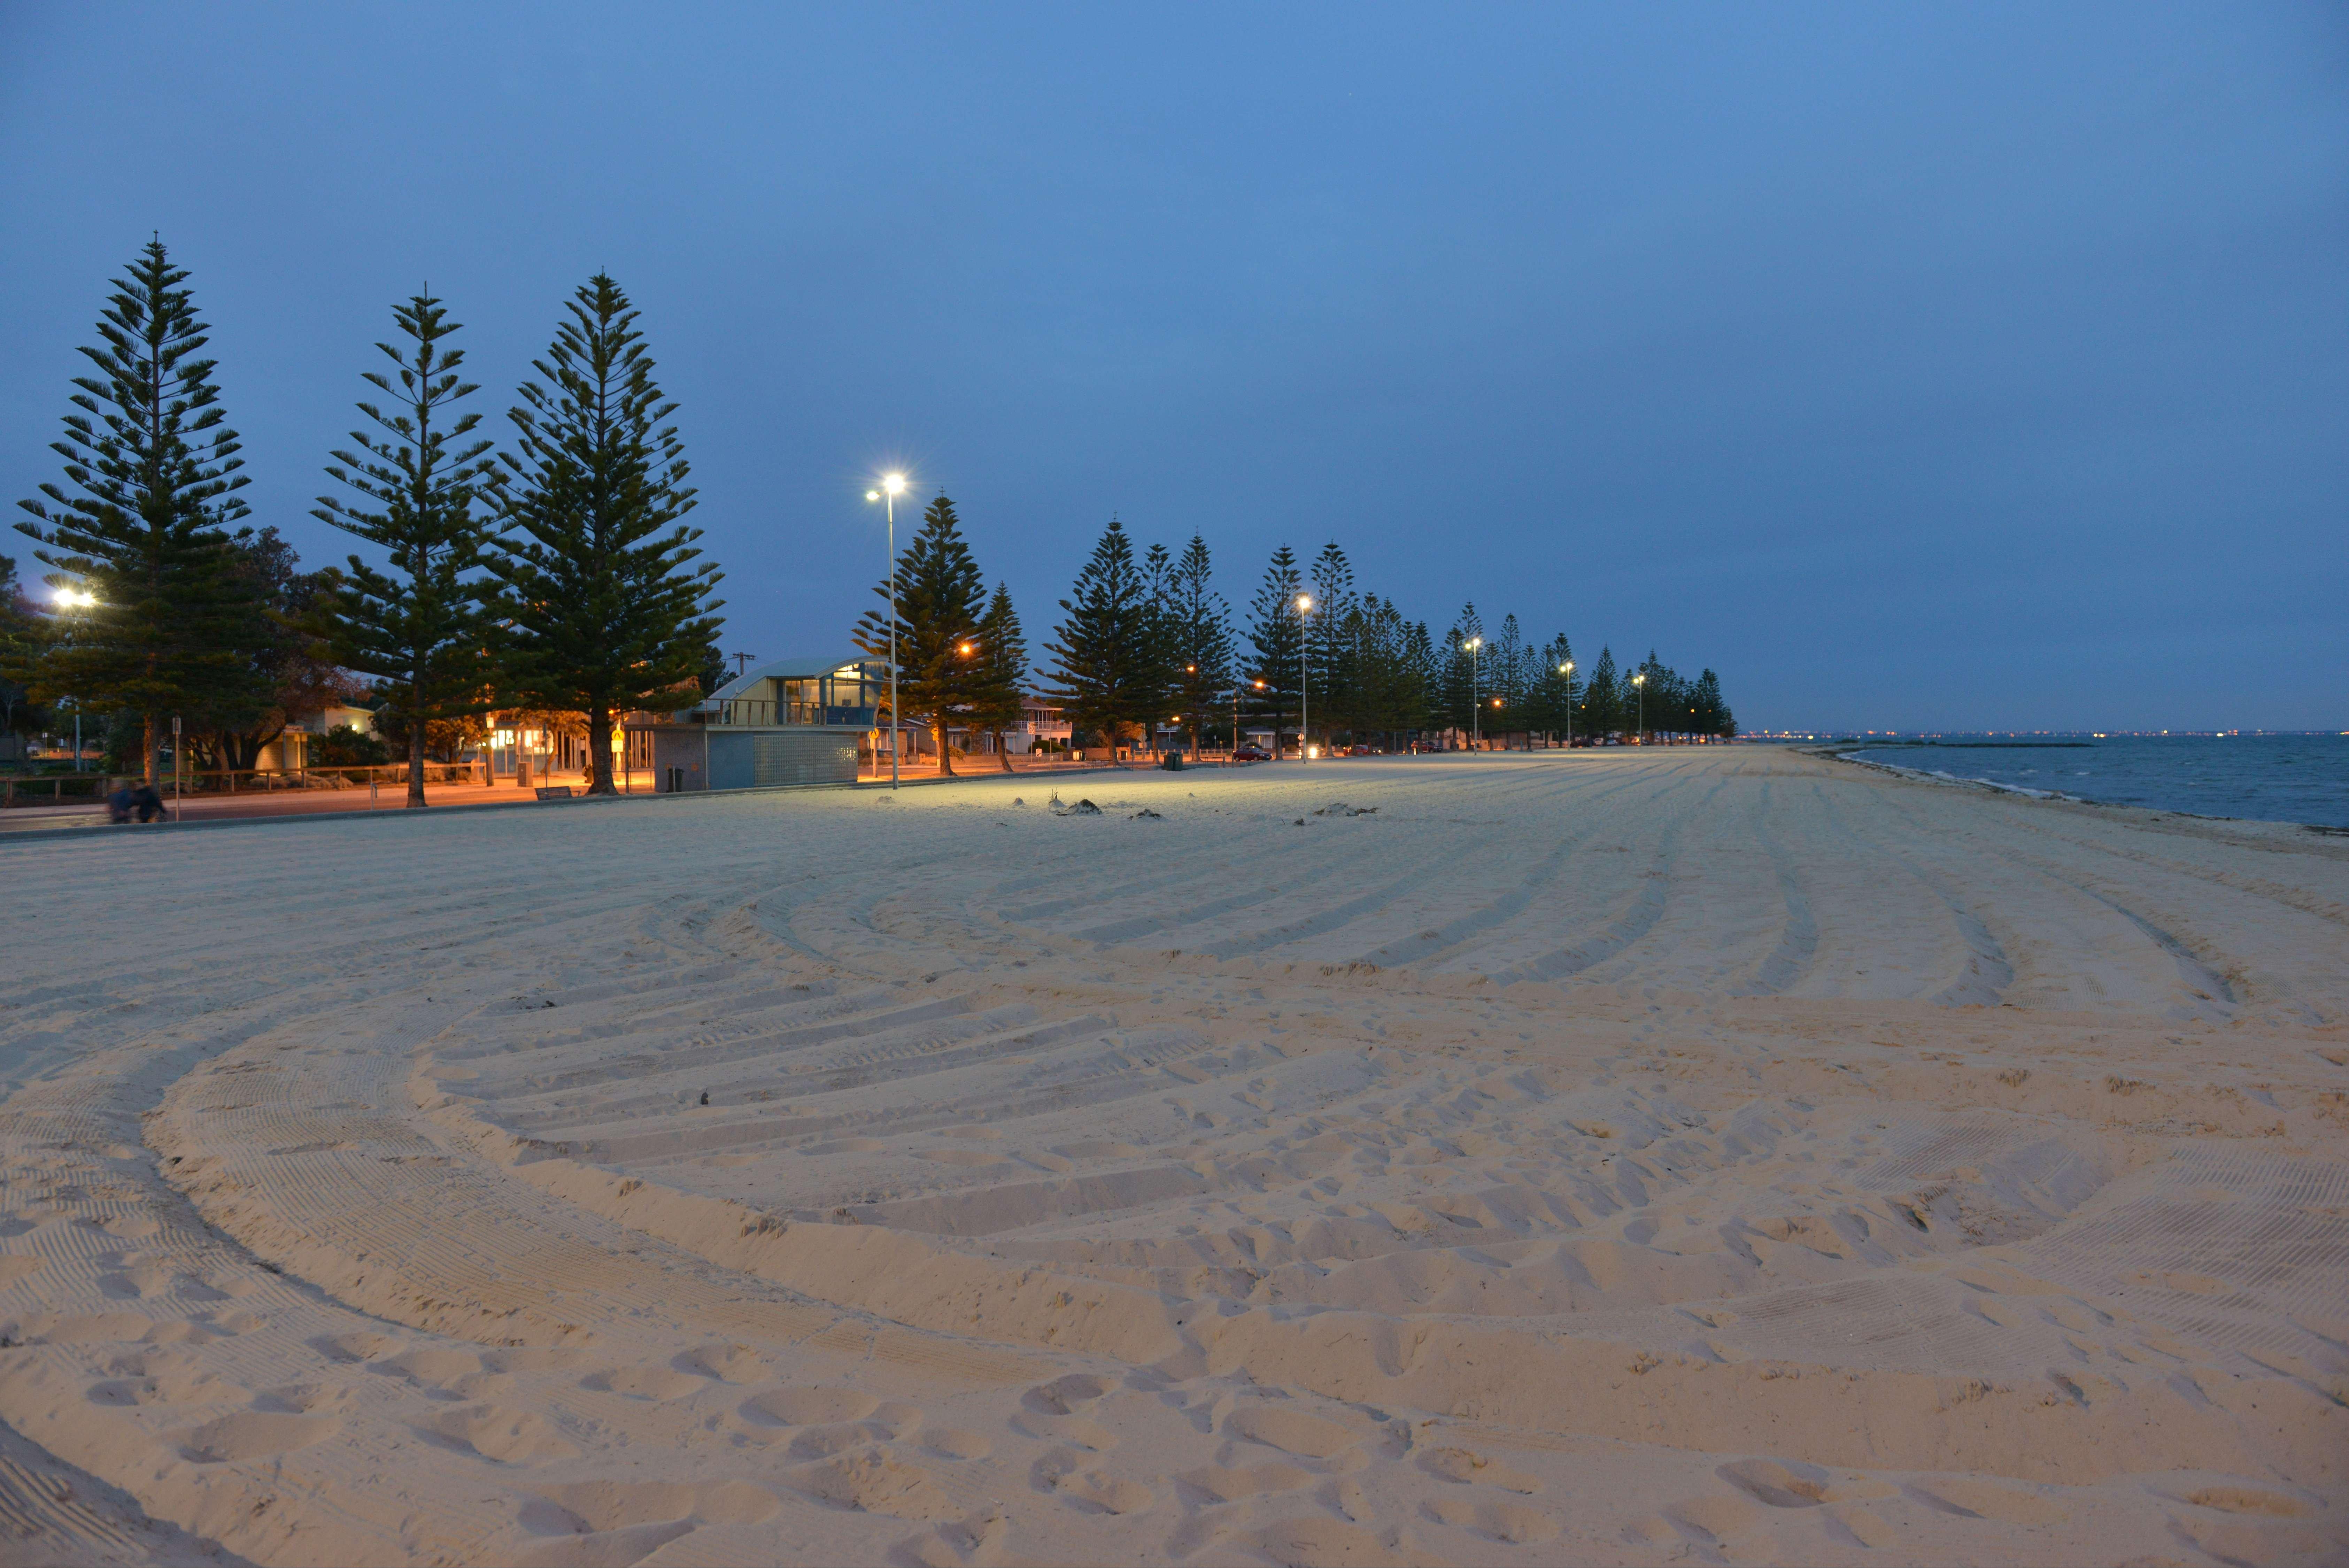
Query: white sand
1712	1154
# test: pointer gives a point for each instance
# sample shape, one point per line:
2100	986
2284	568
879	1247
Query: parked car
1251	754
1365	751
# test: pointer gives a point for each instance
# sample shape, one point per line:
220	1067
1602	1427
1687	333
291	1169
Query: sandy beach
1706	1154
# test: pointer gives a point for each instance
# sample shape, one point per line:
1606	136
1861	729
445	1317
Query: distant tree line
553	575
1145	642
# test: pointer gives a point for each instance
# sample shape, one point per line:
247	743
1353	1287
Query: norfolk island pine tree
997	701
941	598
1108	661
604	609
1276	641
419	628
1199	627
141	522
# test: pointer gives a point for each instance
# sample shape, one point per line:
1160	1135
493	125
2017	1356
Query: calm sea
2276	778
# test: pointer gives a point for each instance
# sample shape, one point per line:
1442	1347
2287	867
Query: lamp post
1640	683
1475	700
1567	669
892	486
1304	680
73	599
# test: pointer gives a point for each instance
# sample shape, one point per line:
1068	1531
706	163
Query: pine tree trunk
599	750
153	739
416	800
945	758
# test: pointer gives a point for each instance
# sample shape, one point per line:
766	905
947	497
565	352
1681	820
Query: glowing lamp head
871	495
1305	601
1567	669
966	648
895	484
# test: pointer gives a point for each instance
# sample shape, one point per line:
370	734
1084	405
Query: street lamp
1475	710
1304	680
1567	669
1640	681
892	486
73	599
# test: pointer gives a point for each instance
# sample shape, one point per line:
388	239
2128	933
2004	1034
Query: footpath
222	810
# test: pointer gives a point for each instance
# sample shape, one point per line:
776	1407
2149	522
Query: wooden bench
554	791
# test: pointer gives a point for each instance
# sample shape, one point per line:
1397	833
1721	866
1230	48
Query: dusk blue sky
1911	366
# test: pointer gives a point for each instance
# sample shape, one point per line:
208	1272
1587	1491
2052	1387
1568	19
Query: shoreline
1846	754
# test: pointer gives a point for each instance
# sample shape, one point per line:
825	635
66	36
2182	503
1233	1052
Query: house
793	721
290	752
1041	718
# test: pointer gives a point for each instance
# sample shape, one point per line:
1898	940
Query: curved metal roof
802	668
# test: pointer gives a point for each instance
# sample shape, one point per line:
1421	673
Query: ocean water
2273	778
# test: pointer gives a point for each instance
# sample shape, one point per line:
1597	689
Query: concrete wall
752	758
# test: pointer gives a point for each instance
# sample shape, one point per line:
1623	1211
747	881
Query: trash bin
1172	762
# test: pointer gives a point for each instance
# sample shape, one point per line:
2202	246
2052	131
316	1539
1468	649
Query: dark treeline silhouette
555	578
1148	644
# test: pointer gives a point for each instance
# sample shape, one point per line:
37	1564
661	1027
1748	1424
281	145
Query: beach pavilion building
793	721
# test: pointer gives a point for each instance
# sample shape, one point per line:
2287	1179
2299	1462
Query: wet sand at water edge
1717	1154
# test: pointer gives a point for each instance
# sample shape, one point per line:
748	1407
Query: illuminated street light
1304	681
1567	669
892	486
73	599
1640	682
1475	710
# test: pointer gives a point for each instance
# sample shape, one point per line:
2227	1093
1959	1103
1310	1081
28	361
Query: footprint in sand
1063	1472
1291	1432
727	1362
643	1381
875	1482
954	1443
361	1346
307	1399
167	1377
1067	1396
509	1437
253	1434
1990	1500
1716	1517
1467	1467
980	1541
1500	1521
1779	1485
809	1406
432	1366
1226	1484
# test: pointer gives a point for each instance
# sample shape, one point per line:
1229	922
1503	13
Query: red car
1251	754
